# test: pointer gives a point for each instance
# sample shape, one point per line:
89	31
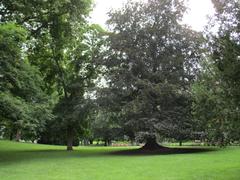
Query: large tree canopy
150	63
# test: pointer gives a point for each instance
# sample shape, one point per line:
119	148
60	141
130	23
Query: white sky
196	17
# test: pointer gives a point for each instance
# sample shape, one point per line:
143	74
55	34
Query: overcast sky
196	17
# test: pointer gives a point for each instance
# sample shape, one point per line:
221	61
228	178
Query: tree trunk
109	142
180	143
151	144
91	142
11	137
69	139
18	135
85	142
105	143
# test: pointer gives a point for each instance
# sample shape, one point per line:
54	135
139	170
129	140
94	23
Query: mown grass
22	161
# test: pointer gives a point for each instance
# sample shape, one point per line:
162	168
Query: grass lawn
22	161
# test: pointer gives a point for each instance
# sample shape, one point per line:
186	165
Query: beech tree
151	61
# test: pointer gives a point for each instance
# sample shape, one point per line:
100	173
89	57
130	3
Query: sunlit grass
22	161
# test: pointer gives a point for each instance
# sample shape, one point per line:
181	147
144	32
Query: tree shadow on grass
163	151
10	157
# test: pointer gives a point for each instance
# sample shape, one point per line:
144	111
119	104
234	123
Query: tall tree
217	90
24	106
151	62
63	46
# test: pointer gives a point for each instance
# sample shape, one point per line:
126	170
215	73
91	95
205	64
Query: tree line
147	78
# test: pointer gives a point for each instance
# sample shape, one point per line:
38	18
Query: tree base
152	145
69	148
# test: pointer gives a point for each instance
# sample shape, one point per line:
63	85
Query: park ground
23	161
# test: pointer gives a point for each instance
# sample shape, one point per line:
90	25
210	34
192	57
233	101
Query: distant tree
151	62
105	127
